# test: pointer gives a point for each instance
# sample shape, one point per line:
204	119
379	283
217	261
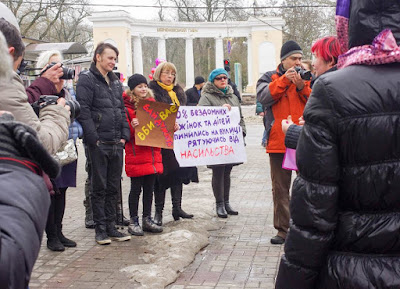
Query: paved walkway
238	255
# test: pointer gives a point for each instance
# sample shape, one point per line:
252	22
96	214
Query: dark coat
173	174
345	230
193	96
161	95
235	90
102	107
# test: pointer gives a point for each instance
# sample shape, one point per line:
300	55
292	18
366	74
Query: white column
162	52
249	61
219	53
137	55
189	61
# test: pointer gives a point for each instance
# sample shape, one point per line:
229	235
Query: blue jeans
264	138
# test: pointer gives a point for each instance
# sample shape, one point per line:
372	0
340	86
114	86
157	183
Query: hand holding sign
157	123
134	122
209	136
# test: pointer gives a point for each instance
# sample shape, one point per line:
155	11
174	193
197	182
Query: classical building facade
264	40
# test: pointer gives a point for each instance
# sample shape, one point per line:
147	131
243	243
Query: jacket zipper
153	160
133	149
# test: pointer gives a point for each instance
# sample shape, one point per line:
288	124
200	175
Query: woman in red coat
142	163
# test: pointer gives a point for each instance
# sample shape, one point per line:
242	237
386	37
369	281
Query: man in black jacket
105	130
193	94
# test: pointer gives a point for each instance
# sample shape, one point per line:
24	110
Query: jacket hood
210	88
369	18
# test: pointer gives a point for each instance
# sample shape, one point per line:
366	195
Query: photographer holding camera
53	121
56	241
282	92
24	198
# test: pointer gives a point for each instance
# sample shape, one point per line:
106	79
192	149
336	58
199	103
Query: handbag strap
128	115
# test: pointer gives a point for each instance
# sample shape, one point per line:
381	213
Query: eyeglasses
221	77
169	73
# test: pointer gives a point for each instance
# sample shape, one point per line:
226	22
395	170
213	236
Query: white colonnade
116	25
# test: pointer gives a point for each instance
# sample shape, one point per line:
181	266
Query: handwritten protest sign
156	124
208	136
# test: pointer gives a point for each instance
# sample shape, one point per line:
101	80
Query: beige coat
212	96
53	122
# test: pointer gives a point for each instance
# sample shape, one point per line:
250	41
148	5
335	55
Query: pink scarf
383	50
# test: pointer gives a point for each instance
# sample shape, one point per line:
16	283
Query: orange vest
289	101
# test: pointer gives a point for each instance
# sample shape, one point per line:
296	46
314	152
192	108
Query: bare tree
58	20
213	11
305	22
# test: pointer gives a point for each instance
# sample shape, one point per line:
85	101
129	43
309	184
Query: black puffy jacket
345	207
102	107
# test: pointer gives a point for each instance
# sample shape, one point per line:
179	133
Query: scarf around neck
224	90
171	93
383	49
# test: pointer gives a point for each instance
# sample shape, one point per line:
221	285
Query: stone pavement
232	253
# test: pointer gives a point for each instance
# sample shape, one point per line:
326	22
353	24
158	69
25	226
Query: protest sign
156	124
208	135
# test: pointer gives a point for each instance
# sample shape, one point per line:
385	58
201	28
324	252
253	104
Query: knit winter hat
215	73
135	80
198	80
290	47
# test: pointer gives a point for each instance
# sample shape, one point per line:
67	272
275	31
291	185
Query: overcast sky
143	13
137	13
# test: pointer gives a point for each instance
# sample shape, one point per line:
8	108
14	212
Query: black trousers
137	183
221	182
56	210
107	162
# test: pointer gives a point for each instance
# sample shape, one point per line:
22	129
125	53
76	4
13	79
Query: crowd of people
341	115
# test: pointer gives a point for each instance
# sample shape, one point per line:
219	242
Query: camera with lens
46	100
68	73
304	74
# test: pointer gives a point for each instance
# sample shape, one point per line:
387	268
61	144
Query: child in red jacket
142	163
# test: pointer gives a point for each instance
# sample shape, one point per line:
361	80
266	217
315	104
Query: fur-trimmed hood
210	88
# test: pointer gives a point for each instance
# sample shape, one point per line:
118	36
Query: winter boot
65	241
89	223
101	235
53	243
120	219
134	227
229	209
116	235
159	200
149	226
177	212
227	188
158	218
221	212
